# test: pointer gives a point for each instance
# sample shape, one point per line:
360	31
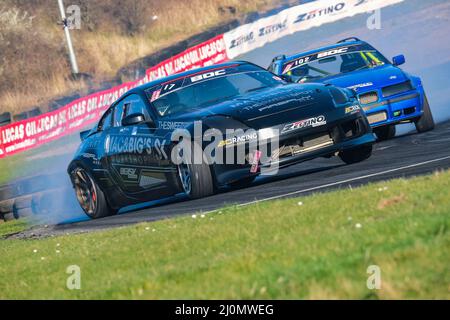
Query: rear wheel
195	179
90	196
356	155
385	133
426	121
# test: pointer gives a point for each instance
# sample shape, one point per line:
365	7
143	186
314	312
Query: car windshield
200	91
311	70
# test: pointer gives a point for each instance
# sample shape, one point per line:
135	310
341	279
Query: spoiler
84	134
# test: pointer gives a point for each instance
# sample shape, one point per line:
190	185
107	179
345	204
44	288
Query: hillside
33	61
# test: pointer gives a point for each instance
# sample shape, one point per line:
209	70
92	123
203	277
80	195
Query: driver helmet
301	71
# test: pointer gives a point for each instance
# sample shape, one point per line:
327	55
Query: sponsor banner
302	17
33	132
29	133
205	54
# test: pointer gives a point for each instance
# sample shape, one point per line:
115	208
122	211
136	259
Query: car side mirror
286	77
398	60
133	119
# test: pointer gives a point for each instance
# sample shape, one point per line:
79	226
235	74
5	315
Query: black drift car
133	155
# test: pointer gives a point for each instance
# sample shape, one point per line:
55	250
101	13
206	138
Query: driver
299	74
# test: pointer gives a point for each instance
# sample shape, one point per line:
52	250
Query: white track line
343	181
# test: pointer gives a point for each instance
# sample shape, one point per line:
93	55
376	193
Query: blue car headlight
342	96
339	96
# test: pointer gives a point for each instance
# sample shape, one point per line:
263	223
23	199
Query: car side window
134	104
119	112
106	120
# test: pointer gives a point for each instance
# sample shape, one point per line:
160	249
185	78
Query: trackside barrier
29	133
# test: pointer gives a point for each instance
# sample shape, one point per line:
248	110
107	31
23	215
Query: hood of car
369	79
270	106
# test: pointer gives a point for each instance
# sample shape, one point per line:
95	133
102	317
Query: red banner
33	132
205	54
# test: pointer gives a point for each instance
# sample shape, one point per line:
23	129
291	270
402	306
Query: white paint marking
344	181
332	184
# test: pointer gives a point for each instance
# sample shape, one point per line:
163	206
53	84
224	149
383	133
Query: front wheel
356	155
426	121
385	132
90	196
195	178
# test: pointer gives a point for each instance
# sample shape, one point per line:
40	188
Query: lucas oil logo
311	122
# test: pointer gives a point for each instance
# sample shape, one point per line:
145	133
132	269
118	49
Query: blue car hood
369	79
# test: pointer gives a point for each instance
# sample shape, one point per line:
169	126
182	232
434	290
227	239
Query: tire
8	192
9	217
23	213
20	117
23	202
41	203
356	155
90	197
385	133
34	112
243	183
426	121
6	206
5	117
196	179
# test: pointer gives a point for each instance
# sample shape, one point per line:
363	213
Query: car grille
396	89
369	97
377	117
295	146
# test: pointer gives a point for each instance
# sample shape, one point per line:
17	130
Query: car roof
325	48
184	74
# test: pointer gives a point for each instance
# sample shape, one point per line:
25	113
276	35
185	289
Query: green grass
276	249
12	227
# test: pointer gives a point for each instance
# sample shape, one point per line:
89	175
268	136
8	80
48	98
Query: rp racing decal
352	109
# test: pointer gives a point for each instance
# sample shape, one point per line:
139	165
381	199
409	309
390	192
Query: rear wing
349	39
85	134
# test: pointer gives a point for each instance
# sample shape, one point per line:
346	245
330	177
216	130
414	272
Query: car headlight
339	95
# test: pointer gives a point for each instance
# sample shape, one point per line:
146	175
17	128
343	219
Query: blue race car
389	95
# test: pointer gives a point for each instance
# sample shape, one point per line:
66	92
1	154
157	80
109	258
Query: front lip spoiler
390	101
395	122
366	139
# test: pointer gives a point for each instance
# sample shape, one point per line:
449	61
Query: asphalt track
405	156
419	25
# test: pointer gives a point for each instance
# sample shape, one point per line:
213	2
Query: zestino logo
250	37
280	26
320	12
311	122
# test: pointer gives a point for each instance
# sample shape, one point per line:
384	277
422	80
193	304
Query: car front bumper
402	108
346	133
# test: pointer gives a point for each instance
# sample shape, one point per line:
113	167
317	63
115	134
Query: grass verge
320	248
